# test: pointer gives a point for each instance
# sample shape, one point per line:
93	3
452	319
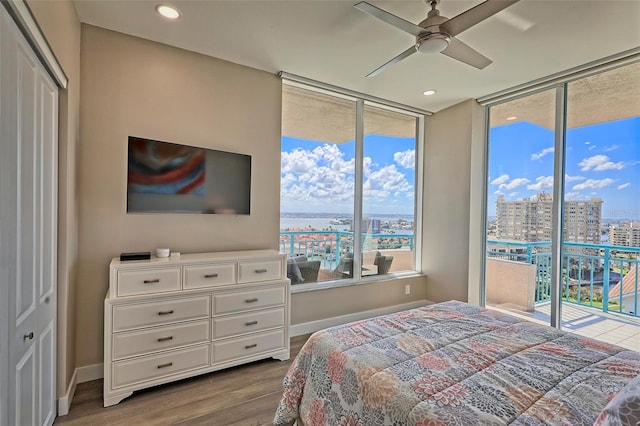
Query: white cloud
568	178
611	147
385	181
592	147
593	184
316	176
624	185
542	183
406	159
542	153
297	161
572	196
513	194
287	180
500	180
599	163
498	192
332	155
514	183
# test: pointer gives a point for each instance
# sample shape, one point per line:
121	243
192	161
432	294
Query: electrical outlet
407	289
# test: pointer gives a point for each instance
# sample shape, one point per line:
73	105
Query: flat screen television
164	177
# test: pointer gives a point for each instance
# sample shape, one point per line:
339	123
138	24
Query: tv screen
165	177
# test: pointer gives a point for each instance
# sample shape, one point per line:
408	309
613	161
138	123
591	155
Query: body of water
321	222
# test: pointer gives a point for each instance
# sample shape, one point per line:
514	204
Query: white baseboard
90	372
64	403
313	326
80	375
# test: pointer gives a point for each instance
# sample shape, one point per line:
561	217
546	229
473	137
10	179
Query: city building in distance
529	219
627	234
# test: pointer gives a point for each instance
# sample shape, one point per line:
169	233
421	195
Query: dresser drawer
145	341
254	271
245	346
245	323
209	275
137	315
245	300
148	281
151	367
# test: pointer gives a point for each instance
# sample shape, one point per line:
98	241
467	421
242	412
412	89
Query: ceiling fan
436	34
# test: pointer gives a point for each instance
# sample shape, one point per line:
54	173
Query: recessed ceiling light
168	12
429	92
511	118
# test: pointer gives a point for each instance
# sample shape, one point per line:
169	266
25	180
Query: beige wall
320	304
510	284
59	23
449	136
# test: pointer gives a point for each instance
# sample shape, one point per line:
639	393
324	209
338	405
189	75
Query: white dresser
171	318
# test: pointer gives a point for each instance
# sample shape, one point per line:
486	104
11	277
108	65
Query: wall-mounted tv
164	177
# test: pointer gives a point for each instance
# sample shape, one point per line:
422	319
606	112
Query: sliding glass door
600	255
578	142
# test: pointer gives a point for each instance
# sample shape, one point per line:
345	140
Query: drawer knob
251	323
164	339
251	346
210	275
252	300
157	280
165	312
168	364
261	271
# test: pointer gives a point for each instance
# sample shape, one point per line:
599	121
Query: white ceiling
332	42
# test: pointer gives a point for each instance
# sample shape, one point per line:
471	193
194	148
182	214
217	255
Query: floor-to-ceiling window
577	141
600	256
348	187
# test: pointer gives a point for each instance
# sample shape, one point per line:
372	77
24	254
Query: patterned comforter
452	364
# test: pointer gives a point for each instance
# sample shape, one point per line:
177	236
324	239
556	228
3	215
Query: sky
319	177
602	160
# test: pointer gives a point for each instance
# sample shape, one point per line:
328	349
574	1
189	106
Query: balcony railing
331	246
601	276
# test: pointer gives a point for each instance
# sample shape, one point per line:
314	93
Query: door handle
28	336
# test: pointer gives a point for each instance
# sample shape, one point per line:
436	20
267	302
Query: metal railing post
291	244
605	283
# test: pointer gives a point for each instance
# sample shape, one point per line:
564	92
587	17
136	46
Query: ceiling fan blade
410	51
479	13
390	19
465	53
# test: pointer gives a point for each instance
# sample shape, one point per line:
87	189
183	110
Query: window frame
361	102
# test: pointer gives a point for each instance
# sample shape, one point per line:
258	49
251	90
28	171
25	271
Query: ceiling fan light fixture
433	43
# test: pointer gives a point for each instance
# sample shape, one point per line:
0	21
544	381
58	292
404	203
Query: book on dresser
166	319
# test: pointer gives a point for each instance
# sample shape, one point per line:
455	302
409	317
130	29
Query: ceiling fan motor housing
432	42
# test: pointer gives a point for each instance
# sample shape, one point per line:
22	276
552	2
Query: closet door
28	178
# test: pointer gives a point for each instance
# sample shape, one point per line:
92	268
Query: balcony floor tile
618	329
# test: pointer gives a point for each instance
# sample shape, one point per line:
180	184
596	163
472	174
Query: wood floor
246	395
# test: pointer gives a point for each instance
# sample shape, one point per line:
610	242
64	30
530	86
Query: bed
458	364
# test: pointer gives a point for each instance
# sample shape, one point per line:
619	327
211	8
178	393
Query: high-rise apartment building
530	219
625	235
